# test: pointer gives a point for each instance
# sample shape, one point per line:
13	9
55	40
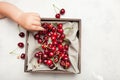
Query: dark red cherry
22	56
51	66
60	31
39	40
65	58
62	11
66	47
49	62
60	25
57	15
39	61
22	34
51	54
45	56
67	64
36	36
20	44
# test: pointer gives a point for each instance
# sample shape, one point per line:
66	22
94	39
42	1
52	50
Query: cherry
45	56
39	40
60	31
45	61
49	62
39	61
22	56
22	34
62	36
50	26
66	47
51	66
53	48
55	34
62	63
60	47
56	59
46	51
61	55
38	54
67	64
62	11
20	44
36	36
51	54
45	38
44	25
60	25
54	29
65	58
54	42
53	38
57	15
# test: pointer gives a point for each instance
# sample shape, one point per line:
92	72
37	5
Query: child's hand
30	21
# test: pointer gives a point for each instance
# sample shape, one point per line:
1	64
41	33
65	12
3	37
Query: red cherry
60	25
51	66
55	34
22	56
53	48
38	54
62	63
22	34
56	59
44	25
49	62
62	11
20	44
54	43
45	61
65	58
62	36
53	38
39	61
50	26
57	15
45	38
36	36
44	56
66	47
39	40
67	64
61	55
60	47
51	54
60	31
54	29
46	51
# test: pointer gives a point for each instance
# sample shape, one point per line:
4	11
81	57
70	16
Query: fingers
36	28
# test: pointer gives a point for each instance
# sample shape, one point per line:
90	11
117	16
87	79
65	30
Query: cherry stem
12	52
55	7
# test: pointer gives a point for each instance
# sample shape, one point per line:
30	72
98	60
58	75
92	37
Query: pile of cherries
53	48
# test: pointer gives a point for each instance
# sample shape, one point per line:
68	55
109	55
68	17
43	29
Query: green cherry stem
55	6
13	52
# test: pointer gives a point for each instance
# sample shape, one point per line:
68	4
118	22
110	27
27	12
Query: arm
29	21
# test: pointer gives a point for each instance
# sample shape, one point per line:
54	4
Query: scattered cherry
57	15
20	44
22	56
22	34
62	11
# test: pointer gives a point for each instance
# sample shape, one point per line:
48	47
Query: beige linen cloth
70	30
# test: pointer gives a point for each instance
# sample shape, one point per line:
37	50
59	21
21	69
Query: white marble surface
100	53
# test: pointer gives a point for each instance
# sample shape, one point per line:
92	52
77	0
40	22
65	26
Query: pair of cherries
61	12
